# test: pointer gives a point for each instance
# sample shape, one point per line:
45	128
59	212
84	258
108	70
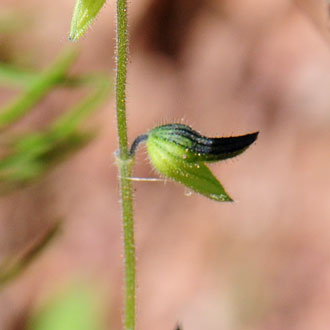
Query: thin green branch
121	73
125	163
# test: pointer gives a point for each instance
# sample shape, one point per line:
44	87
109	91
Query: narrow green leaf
37	90
71	119
31	155
13	76
84	13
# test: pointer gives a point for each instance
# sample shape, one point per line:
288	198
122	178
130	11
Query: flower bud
179	153
84	13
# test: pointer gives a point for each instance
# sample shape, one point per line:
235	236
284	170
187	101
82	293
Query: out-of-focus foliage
84	13
13	267
36	90
12	21
26	157
77	308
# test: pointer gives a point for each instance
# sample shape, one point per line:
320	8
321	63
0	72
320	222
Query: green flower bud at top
84	13
179	153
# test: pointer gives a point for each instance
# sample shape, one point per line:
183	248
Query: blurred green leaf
13	267
27	157
11	75
12	21
37	90
68	122
84	13
77	308
31	155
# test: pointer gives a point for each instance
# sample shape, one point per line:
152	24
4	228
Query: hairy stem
125	163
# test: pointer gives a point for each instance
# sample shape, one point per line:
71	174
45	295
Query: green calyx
179	153
84	13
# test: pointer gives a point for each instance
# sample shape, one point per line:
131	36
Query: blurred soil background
226	68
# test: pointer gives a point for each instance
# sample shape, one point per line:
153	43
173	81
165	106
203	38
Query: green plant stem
125	163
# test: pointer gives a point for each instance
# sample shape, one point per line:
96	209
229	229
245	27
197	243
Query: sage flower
179	153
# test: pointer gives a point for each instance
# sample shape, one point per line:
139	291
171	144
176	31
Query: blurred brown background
226	68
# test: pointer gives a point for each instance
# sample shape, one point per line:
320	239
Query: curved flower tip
84	13
179	153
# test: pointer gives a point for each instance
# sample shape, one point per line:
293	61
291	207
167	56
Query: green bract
84	13
179	153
